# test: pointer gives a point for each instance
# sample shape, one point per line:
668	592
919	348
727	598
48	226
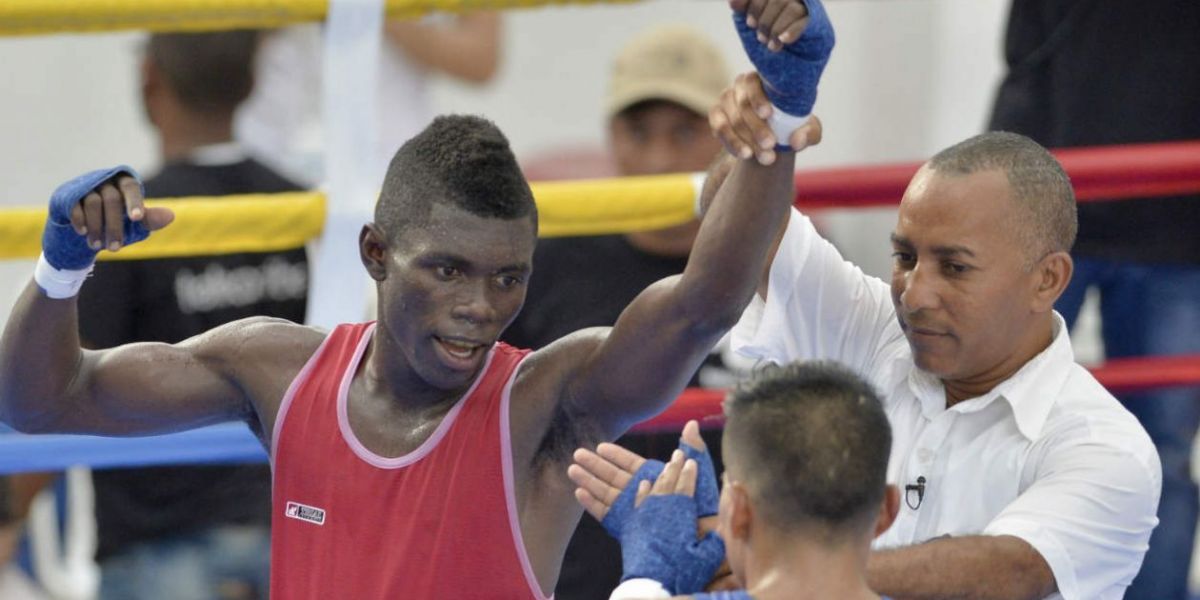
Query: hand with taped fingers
740	117
609	481
777	22
101	208
606	482
678	477
102	213
660	541
655	511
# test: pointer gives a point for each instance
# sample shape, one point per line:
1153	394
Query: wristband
639	588
783	126
59	283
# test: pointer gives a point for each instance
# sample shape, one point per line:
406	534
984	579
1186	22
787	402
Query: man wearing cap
662	84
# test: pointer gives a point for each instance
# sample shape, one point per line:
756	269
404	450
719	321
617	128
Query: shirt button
924	455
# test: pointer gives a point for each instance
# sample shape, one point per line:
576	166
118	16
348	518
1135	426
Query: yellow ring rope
268	222
35	17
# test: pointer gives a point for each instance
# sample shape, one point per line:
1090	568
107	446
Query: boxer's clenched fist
778	22
101	214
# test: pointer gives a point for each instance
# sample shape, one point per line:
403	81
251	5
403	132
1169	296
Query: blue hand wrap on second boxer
724	595
622	508
61	245
659	543
708	494
790	76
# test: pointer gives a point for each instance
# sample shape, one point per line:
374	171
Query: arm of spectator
468	48
10	538
972	568
16	495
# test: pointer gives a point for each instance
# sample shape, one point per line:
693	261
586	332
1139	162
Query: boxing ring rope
566	208
1097	173
40	17
233	442
267	222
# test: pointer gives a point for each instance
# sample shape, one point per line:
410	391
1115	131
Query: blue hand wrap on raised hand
622	508
61	245
659	543
708	495
791	75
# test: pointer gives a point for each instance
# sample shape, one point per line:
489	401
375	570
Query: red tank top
439	522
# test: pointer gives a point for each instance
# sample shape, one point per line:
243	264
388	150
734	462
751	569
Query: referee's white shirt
1048	456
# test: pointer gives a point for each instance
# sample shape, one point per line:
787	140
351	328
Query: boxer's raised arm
665	333
49	383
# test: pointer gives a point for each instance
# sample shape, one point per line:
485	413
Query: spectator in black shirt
1098	72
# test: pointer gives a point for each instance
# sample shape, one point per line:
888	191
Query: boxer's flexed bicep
48	383
229	373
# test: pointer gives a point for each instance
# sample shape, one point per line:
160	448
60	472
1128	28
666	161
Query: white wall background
907	78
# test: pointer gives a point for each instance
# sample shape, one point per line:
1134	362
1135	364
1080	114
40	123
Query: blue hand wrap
734	595
62	247
708	495
618	514
660	544
790	76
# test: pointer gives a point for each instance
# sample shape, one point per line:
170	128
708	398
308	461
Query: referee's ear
1052	274
888	509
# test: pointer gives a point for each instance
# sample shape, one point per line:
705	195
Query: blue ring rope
224	443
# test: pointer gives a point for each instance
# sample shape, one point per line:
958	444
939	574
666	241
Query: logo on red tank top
303	512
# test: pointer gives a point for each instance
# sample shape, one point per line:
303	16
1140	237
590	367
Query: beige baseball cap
673	62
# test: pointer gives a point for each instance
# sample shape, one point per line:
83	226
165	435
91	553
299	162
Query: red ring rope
1098	173
1123	375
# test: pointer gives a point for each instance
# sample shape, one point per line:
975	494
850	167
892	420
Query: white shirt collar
218	155
1030	392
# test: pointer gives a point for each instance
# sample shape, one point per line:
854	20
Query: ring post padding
350	60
